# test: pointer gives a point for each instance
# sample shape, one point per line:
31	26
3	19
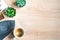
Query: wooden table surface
40	19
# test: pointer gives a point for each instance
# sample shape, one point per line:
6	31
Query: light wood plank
40	19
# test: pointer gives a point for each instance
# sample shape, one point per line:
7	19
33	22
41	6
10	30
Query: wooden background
40	19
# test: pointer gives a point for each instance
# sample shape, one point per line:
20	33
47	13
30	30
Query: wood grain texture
40	19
